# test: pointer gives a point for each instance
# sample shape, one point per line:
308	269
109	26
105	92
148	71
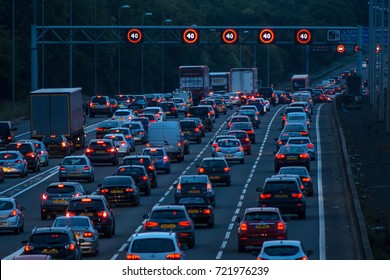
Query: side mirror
146	216
238	219
275	139
259	189
22	208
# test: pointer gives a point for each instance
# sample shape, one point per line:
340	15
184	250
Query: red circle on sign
356	48
340	48
303	36
267	36
134	35
190	36
378	48
229	36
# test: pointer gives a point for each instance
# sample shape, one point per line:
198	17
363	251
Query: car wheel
43	216
241	247
228	182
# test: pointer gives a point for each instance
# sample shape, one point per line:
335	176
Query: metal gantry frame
171	35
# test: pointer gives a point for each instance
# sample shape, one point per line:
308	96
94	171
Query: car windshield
71	222
261	216
6	205
168	214
50	238
152	245
284	250
74	161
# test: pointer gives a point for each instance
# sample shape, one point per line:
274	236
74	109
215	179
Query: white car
230	149
157	112
123	115
120	143
283	250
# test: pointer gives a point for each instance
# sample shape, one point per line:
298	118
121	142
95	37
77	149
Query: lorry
58	111
244	80
353	94
299	81
196	79
220	81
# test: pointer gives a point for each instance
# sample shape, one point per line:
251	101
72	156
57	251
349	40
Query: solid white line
321	211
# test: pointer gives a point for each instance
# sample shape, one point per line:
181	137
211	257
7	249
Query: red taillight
265	195
303	258
88	150
86	167
18	161
243	227
90	104
306	179
226	169
45	196
103	214
88	234
280	226
201	170
284	117
207	211
31	155
72	247
304	155
151	167
62	168
310	146
165	159
132	257
99	129
63	144
108	104
68	214
250	131
144	178
247	140
129	190
280	142
123	143
196	129
103	190
111	150
280	156
296	195
217	149
241	148
150	224
13	213
185	223
215	145
175	256
27	248
140	132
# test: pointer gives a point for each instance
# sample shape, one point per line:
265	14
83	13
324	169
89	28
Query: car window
23	148
152	245
193	200
74	161
133	171
292	149
70	222
50	238
116	181
8	156
280	186
155	153
168	214
213	163
99	100
298	141
91	205
187	124
6	205
298	171
194	179
227	143
284	250
261	216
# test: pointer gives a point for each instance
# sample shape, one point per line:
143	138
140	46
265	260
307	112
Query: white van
298	117
169	136
304	96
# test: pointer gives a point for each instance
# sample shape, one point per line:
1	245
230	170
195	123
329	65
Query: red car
260	224
244	139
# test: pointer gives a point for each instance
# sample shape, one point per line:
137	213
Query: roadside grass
21	110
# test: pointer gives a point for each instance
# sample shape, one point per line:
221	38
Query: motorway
327	230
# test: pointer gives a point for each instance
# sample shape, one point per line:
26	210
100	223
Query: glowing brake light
280	226
304	155
226	169
88	150
175	256
201	169
296	195
265	196
103	214
207	211
45	196
306	179
215	145
132	257
62	168
129	190
150	224
243	227
86	167
13	213
165	159
280	156
185	223
310	146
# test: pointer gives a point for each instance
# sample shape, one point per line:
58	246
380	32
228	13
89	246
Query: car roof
157	234
168	207
67	183
282	242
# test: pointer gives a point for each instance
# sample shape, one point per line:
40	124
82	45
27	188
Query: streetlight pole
142	55
268	65
162	55
71	44
13	55
119	47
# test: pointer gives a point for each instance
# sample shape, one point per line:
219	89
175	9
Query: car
145	122
123	101
57	145
214	144
217	169
169	218
13	162
297	127
139	99
305	142
102	151
155	246
304	175
76	168
213	105
29	152
56	198
123	115
283	250
200	125
12	216
231	150
119	190
137	131
104	127
298	117
127	134
253	116
84	230
180	104
292	155
191	131
259	224
247	127
202	113
310	92
59	242
159	157
120	143
114	105
195	185
211	111
139	175
7	133
283	138
145	161
97	208
169	107
157	112
267	93
151	117
258	103
291	109
285	193
41	148
136	108
199	209
244	139
100	105
237	118
302	104
221	106
153	99
228	100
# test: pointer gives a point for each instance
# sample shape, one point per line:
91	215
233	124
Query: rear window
114	137
74	161
291	149
100	144
241	125
155	153
122	113
153	245
52	140
198	111
91	205
298	171
238	134
133	125
60	190
135	161
284	250
239	119
6	205
50	238
23	148
213	163
193	179
109	124
117	181
187	124
134	171
193	200
296	118
228	144
261	216
280	186
168	214
71	222
299	141
99	100
8	156
121	98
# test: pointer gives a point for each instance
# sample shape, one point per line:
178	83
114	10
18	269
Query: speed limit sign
229	36
134	36
190	36
303	36
267	36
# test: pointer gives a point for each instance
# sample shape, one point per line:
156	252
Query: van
304	96
7	134
298	117
168	135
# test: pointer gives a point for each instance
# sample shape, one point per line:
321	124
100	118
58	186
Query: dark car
267	93
100	105
139	175
145	161
114	105
137	108
237	118
212	103
191	131
171	218
30	153
145	122
200	125
283	138
7	133
247	127
169	107
199	209
123	100
195	185
217	169
258	103
253	116
120	190
291	109
284	193
297	127
203	114
102	151
56	198
97	208
59	242
104	128
291	155
57	145
304	175
259	224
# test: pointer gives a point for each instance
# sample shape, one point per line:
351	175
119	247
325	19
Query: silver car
76	168
13	163
137	131
11	215
41	149
305	142
120	143
83	229
231	149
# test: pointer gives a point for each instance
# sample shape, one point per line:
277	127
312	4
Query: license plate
49	251
168	226
52	146
193	211
193	191
229	156
116	191
168	113
2	224
89	214
262	226
281	196
7	169
100	152
187	132
62	201
74	174
214	177
291	158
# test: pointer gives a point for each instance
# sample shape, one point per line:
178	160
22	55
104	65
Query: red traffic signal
340	48
378	49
